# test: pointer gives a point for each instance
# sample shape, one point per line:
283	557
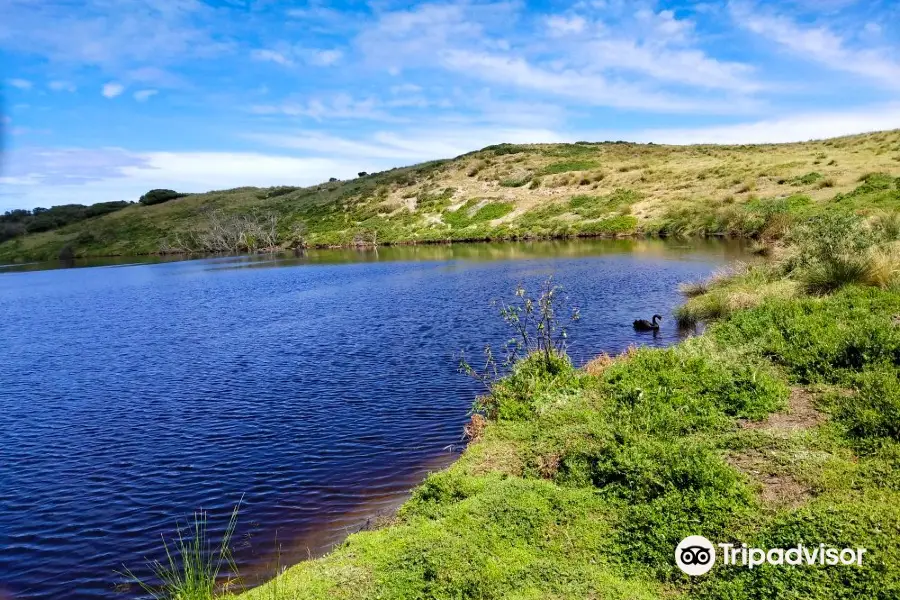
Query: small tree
361	174
540	327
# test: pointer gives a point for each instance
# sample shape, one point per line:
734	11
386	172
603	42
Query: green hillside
510	192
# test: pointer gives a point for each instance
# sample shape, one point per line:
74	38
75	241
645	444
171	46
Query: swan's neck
654	319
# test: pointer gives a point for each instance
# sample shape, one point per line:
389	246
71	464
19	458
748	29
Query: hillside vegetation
511	192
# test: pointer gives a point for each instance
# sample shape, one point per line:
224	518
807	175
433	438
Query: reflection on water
425	252
321	387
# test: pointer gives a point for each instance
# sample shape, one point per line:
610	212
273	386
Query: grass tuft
193	564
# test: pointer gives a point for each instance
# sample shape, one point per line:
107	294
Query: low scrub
568	166
160	196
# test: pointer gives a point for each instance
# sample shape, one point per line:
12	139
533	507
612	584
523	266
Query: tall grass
883	266
834	273
193	562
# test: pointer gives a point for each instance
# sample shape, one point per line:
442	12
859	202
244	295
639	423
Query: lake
320	388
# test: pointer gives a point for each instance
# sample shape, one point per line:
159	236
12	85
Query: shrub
567	166
503	149
537	349
872	182
17	222
831	251
492	210
808	179
515	181
873	413
159	196
274	192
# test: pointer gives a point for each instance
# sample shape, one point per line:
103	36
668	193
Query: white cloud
144	95
664	25
591	89
271	56
127	175
62	86
560	25
22	84
288	56
820	44
340	106
663	63
325	58
112	35
580	60
112	89
789	128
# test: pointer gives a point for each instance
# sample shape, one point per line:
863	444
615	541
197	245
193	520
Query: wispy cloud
820	44
62	86
22	84
111	35
573	56
289	56
796	127
272	56
340	106
561	25
325	58
144	95
589	88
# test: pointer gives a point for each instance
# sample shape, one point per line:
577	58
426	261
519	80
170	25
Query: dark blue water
319	388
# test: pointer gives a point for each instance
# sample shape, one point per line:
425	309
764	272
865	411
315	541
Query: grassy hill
510	192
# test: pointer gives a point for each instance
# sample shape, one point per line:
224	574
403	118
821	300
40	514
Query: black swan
645	325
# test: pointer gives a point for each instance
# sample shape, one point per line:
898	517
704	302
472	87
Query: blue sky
105	99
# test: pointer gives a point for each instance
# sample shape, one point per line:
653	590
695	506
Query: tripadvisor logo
696	555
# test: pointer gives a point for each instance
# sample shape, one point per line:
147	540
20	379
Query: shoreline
393	244
370	513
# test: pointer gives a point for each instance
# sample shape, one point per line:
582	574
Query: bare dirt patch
801	414
777	487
